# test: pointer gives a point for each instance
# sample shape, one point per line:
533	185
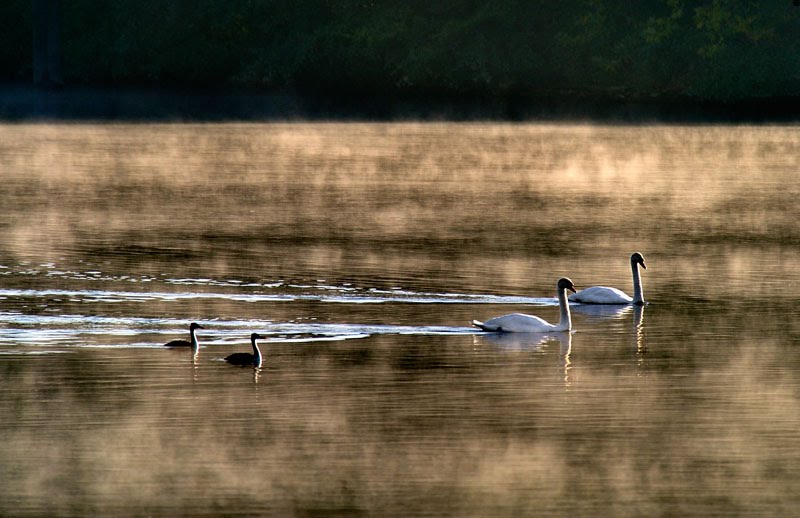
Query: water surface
362	252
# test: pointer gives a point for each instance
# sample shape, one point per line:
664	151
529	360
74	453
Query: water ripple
335	295
105	331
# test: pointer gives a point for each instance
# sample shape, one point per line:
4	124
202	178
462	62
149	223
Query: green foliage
16	40
706	50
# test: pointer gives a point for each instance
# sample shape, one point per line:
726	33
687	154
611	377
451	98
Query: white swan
520	323
606	295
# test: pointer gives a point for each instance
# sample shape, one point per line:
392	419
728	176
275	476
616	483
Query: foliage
662	49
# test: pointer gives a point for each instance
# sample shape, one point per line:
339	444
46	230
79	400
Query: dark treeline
709	50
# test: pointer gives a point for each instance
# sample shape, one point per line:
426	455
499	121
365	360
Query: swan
520	323
606	295
247	358
192	342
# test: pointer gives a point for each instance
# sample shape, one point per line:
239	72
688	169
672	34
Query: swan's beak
643	266
572	289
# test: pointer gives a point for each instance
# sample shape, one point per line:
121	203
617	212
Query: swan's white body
606	295
522	323
601	295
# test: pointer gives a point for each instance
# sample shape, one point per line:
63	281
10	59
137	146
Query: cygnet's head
637	258
256	336
195	325
565	284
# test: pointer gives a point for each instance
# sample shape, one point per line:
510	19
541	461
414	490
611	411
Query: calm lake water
362	252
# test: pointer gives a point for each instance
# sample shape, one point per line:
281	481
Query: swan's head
194	325
565	284
637	258
256	336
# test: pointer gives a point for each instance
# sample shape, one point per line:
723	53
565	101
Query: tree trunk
47	42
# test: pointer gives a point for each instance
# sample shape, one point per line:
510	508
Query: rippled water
362	252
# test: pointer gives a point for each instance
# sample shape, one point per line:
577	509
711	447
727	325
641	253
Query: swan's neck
193	339
638	297
256	352
565	321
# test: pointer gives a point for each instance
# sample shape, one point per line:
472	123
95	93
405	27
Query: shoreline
30	104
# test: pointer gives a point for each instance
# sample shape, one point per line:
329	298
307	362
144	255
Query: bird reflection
638	329
534	342
596	312
195	366
520	341
602	311
191	344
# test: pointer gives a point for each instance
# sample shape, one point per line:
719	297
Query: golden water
363	251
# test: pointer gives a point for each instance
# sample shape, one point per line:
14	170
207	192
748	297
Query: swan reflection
603	311
597	312
638	329
533	342
521	341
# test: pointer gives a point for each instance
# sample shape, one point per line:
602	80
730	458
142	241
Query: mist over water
362	252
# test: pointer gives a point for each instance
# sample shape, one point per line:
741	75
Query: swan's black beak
572	289
643	266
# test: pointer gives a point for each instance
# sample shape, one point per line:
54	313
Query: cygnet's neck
256	351
638	296
195	343
565	320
